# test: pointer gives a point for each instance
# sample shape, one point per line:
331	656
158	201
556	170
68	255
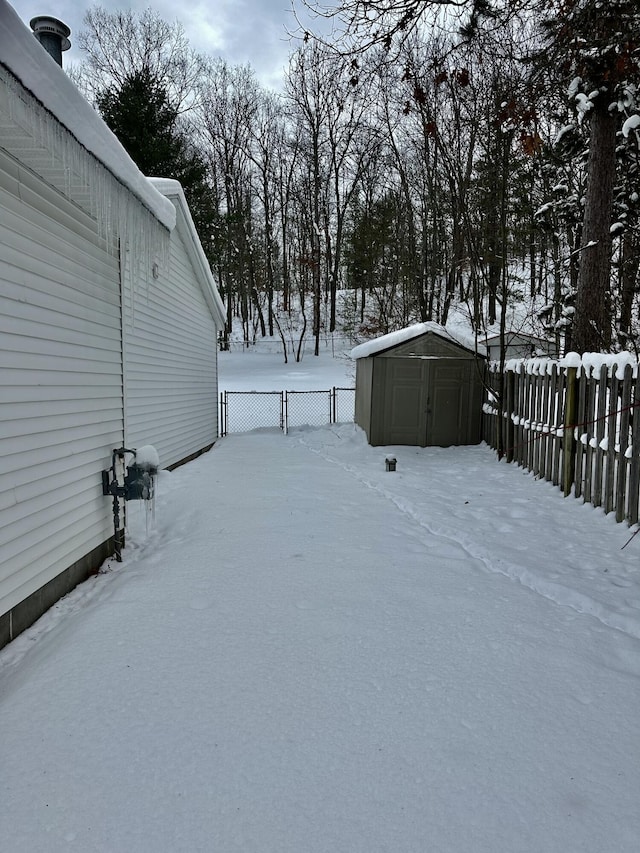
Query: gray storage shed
420	386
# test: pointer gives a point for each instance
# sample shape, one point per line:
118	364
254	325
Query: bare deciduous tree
117	44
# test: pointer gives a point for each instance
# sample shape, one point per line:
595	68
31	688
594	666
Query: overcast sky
241	32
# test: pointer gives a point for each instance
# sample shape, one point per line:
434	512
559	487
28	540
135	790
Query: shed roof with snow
417	330
421	385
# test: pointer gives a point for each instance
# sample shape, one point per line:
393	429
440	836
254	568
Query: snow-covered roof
173	190
29	62
393	339
514	337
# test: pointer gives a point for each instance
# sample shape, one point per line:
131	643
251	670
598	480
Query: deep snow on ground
310	653
262	367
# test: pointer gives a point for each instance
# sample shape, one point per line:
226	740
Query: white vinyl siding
69	320
61	409
170	361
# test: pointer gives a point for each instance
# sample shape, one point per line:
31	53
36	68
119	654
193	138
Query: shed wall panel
170	362
364	375
60	382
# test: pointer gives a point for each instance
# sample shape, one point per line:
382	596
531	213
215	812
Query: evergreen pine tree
140	114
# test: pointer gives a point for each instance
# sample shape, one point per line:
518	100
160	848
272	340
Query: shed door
405	410
447	390
426	402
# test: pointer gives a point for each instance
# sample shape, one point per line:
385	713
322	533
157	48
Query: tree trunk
628	276
592	323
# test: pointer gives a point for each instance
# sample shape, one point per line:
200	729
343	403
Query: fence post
581	419
600	430
509	415
634	466
492	419
610	456
568	441
625	420
560	386
284	412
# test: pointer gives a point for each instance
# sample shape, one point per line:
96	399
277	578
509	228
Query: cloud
242	32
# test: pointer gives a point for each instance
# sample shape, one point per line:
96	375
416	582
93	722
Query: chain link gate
306	408
243	411
344	405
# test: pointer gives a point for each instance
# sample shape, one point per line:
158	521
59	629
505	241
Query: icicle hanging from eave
37	140
139	255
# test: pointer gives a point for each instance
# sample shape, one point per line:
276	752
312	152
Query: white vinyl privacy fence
243	411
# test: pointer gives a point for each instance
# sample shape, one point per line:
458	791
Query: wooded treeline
377	190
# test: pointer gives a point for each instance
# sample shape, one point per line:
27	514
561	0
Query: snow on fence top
30	63
590	363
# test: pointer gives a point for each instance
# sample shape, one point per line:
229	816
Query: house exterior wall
170	352
84	328
519	346
60	385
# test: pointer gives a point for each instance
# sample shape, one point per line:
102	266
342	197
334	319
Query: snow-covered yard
262	368
308	653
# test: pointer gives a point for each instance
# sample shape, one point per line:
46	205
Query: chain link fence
243	411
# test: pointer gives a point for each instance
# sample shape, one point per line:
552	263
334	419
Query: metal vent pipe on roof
52	34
